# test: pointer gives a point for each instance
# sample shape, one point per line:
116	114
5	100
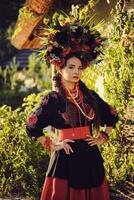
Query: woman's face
73	70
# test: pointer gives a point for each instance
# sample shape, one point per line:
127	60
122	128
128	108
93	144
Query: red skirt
57	189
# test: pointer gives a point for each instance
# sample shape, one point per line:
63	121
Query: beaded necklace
77	99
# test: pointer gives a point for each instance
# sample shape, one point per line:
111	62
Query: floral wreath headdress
72	38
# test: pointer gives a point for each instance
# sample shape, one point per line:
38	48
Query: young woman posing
75	170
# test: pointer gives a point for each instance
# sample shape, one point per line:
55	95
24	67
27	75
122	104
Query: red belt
74	133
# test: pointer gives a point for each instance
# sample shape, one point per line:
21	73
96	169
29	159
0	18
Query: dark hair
88	93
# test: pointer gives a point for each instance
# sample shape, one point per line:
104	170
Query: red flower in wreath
50	47
32	120
85	48
98	41
66	51
51	36
58	63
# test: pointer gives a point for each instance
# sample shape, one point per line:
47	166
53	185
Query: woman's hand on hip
94	141
63	145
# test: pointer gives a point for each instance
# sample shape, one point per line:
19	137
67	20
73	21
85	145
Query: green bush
22	162
118	76
117	70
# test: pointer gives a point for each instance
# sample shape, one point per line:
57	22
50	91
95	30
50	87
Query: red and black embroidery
89	110
38	111
45	100
65	116
54	95
32	120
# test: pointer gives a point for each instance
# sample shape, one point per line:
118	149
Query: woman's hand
63	145
95	141
57	146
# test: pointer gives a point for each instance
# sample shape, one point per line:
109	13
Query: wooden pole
23	36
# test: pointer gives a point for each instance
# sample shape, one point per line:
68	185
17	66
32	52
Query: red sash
74	133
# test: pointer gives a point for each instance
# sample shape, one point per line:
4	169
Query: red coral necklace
76	97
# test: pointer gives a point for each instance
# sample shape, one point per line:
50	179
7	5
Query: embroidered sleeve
42	116
108	114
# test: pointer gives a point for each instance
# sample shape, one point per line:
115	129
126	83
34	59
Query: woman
75	171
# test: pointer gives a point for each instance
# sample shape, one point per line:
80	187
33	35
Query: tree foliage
15	83
117	70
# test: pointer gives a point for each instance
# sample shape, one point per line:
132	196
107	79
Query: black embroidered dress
83	169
